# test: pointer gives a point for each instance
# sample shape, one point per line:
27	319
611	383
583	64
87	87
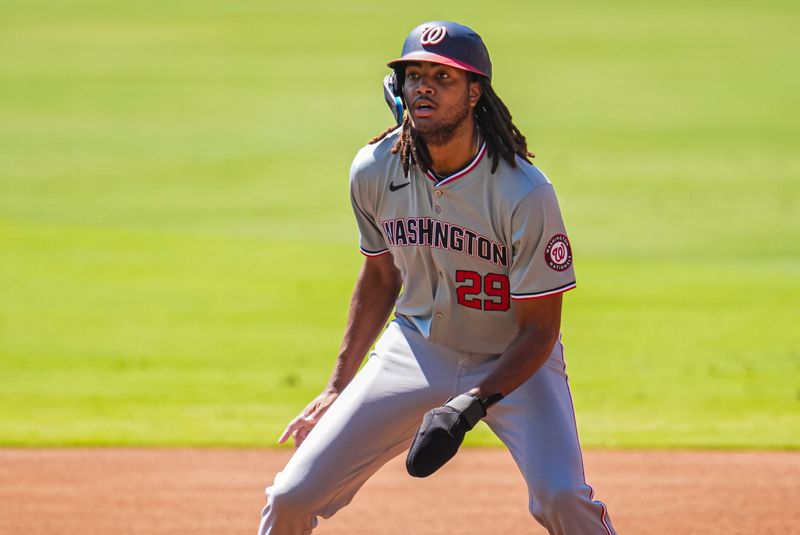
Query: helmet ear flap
400	78
393	93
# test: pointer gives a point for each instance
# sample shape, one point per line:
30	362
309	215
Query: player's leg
537	424
372	421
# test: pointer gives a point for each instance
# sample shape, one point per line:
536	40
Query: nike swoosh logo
392	187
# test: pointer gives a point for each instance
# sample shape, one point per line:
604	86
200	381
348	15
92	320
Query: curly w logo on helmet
433	35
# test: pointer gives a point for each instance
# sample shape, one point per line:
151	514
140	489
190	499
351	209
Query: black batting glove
441	434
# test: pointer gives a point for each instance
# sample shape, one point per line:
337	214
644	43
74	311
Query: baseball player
450	210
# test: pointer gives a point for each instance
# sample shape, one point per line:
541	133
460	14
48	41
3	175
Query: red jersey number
494	285
473	287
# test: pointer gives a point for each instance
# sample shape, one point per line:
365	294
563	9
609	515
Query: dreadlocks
503	139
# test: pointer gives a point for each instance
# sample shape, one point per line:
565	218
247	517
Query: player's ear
475	92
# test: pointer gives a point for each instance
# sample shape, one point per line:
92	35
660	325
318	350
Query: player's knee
552	503
288	499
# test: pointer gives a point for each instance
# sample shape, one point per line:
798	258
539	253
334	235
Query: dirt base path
121	491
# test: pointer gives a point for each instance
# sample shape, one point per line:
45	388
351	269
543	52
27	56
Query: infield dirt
146	491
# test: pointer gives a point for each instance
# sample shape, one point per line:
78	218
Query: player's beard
441	132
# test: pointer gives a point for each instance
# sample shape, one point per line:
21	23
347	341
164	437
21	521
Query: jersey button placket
436	207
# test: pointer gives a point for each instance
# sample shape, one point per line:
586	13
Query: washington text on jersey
430	232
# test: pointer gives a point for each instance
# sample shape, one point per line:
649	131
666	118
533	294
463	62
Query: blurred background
177	248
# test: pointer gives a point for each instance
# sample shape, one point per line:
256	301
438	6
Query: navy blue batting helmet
447	43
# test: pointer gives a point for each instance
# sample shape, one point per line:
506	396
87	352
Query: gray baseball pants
376	416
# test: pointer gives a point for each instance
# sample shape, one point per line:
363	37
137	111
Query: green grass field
177	248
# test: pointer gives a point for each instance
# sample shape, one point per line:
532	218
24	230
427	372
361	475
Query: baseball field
177	247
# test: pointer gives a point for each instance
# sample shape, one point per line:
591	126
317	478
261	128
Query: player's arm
376	291
539	322
377	287
542	265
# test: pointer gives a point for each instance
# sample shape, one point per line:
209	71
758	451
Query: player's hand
441	434
300	427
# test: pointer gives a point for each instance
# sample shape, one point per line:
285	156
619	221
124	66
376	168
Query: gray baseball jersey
467	244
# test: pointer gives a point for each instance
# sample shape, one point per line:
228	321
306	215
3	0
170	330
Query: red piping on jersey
459	174
561	290
371	254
